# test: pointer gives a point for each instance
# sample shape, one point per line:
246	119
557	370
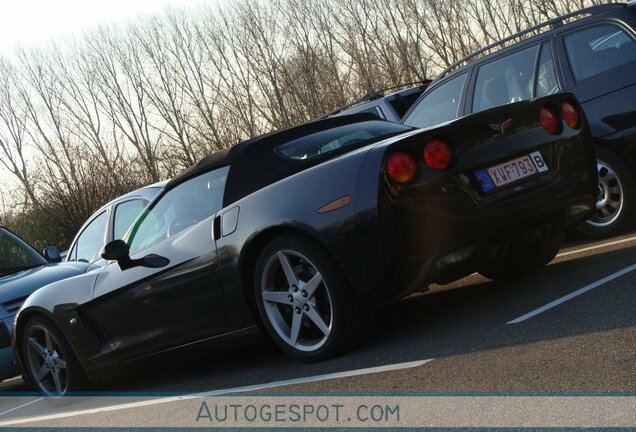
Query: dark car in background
304	230
390	107
110	222
590	53
23	270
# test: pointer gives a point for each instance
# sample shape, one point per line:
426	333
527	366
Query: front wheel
49	361
304	300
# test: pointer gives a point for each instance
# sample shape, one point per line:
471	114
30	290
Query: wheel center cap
299	300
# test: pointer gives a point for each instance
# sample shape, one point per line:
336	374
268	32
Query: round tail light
549	120
571	115
437	155
401	167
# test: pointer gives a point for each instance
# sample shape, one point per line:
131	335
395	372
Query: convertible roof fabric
254	163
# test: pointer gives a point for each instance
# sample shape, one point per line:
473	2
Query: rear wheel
304	300
615	206
528	257
49	361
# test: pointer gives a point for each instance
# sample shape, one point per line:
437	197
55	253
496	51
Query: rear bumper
448	233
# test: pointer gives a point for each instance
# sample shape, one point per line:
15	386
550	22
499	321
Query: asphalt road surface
568	328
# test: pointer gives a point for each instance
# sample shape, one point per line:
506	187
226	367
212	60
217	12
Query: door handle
216	228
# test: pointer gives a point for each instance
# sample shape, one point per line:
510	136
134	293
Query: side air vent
12	306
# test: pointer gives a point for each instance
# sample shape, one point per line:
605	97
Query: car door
141	310
599	67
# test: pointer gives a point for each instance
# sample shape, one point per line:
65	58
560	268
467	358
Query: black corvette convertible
304	230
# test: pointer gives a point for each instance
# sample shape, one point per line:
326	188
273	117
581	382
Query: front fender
59	302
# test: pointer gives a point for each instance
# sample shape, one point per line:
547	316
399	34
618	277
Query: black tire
614	224
346	313
527	258
72	378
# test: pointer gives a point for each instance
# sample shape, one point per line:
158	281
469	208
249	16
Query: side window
599	49
179	208
505	80
546	82
439	105
91	241
125	215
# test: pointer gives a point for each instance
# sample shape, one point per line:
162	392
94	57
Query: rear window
340	138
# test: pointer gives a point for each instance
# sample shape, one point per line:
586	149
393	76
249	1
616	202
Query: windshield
16	254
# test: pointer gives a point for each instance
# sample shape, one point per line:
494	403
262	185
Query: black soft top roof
255	164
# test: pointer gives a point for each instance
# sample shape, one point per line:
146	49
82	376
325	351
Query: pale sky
34	22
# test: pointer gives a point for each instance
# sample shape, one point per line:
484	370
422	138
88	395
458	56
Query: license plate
511	171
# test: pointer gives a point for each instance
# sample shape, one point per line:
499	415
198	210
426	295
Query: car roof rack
553	23
374	96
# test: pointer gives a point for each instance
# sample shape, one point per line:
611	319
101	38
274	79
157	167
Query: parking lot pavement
463	337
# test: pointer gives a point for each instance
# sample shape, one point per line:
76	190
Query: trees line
84	120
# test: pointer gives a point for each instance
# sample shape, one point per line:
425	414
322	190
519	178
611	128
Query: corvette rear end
492	193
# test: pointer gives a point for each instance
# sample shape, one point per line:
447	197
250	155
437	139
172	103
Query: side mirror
119	251
52	254
116	250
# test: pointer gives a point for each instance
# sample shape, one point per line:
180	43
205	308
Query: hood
14	288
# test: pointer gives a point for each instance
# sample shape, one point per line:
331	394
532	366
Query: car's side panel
110	315
59	301
292	204
137	311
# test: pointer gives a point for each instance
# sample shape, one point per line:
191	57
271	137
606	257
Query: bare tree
86	119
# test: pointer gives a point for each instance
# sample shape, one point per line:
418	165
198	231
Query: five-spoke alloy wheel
50	364
303	300
296	299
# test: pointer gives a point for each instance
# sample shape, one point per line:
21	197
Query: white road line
15	378
316	378
157	401
21	406
573	294
598	246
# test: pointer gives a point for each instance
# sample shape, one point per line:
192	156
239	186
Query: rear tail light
549	120
571	115
437	155
401	167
